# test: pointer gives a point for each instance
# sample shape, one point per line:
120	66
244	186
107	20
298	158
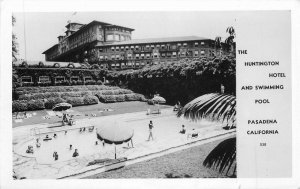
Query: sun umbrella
159	100
115	134
62	106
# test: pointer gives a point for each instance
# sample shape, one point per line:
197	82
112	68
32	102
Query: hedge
75	101
53	101
19	106
35	105
89	99
31	90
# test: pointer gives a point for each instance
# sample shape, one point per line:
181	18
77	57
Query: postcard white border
9	6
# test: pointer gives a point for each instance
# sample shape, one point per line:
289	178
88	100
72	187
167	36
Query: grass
118	107
183	164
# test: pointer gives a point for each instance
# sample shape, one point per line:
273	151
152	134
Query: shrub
150	102
110	98
53	101
35	105
131	97
89	99
120	98
100	97
141	97
19	106
107	92
65	95
75	101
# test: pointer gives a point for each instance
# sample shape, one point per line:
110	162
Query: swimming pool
83	141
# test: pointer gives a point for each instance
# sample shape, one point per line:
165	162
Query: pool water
84	142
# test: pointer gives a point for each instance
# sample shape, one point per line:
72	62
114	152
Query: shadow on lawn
170	175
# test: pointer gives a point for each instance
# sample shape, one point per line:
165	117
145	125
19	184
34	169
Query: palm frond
223	156
214	106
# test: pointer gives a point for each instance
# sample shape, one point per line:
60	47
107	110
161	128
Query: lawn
183	164
86	111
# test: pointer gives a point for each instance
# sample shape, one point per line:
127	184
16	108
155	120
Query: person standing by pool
75	154
150	130
55	155
71	147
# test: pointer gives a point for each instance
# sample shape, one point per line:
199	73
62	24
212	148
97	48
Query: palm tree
218	45
216	107
230	39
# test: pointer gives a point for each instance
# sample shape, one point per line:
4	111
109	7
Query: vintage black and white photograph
124	95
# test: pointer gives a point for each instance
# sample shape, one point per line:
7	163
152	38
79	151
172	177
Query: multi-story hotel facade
112	47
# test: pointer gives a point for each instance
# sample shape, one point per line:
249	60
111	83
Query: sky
38	31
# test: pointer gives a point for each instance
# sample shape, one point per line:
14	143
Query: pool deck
166	140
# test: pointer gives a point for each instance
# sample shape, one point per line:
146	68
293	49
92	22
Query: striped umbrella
62	106
159	100
115	134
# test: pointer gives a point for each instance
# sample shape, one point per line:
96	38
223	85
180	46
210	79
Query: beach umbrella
159	100
115	134
62	106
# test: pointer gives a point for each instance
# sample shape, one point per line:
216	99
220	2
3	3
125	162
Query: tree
15	77
218	45
14	42
230	39
216	107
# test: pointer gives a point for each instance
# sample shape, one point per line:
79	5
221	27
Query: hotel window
112	65
142	63
179	44
74	78
122	38
137	63
117	56
131	47
147	55
163	46
117	37
142	56
155	55
117	48
182	54
26	79
174	47
106	57
129	64
202	52
118	65
174	54
147	46
127	47
59	78
122	64
44	79
112	57
163	54
88	78
109	37
169	55
112	48
137	56
196	53
129	56
101	57
196	44
202	43
152	46
157	46
122	48
137	47
184	44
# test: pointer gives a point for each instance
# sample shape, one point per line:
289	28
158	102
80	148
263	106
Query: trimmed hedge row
65	95
39	104
30	90
120	98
